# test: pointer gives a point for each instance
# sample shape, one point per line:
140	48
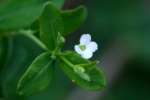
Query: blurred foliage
17	14
127	21
133	83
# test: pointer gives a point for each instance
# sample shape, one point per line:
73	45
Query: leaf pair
82	72
54	21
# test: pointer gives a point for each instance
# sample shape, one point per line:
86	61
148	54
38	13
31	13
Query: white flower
86	48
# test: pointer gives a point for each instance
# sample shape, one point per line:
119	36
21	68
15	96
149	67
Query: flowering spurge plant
52	25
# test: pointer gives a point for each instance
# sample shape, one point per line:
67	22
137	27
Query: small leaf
60	41
50	25
17	14
37	77
83	72
73	19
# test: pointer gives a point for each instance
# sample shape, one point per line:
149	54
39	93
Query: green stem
31	36
66	61
36	40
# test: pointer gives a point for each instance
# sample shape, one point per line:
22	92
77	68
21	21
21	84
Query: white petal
77	49
87	54
92	46
85	39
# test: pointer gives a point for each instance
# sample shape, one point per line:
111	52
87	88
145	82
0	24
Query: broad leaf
50	25
17	14
83	72
37	77
73	19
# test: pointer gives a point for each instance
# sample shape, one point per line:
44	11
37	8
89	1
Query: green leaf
81	71
60	41
58	3
37	77
73	19
50	25
17	14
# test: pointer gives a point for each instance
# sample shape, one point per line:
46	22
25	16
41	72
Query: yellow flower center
82	47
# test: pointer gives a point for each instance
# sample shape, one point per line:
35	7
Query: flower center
82	47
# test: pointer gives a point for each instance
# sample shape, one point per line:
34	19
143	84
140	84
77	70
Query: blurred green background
122	30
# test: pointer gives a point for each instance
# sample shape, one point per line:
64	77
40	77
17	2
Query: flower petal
77	49
92	46
87	54
85	39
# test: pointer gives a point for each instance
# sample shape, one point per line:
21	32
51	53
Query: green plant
47	25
